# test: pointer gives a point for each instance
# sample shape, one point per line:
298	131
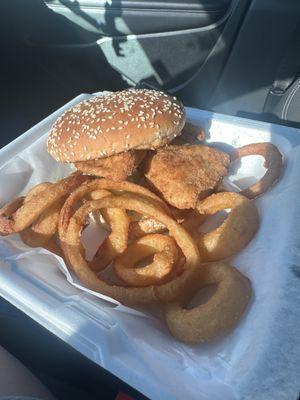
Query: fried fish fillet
184	174
117	168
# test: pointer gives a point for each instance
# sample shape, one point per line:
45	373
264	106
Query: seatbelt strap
287	72
289	66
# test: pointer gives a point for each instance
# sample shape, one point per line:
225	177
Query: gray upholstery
17	380
288	108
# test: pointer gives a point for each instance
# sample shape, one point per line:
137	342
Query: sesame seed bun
119	121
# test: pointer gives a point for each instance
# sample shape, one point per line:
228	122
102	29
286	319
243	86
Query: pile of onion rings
74	251
154	253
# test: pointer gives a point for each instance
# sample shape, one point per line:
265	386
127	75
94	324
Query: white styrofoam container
259	360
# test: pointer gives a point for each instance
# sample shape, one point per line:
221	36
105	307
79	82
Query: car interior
236	57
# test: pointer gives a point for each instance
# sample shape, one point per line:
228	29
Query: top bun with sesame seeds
114	123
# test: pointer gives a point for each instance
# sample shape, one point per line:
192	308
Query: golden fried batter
185	174
189	134
117	168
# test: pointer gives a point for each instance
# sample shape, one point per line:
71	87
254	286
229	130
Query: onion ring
116	242
145	226
30	236
6	212
273	163
87	188
141	226
40	187
44	228
193	220
28	213
219	314
234	233
159	271
117	219
74	252
41	233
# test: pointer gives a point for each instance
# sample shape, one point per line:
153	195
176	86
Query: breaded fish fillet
117	168
184	174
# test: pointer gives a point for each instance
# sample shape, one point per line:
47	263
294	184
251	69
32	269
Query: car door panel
111	44
160	43
140	17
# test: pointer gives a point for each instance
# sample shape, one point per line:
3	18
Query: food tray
259	360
